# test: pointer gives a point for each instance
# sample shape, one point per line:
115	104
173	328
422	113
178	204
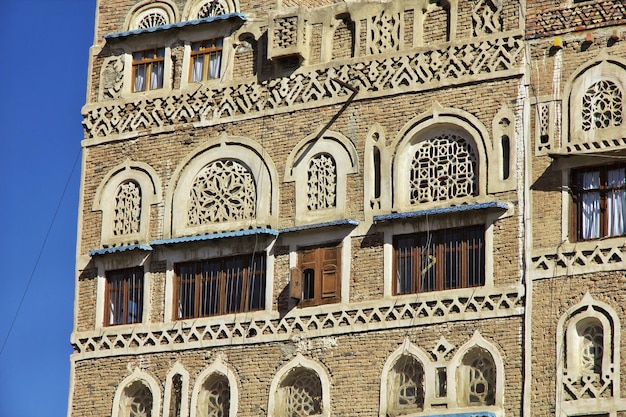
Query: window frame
318	264
206	53
138	290
149	63
577	192
246	304
439	239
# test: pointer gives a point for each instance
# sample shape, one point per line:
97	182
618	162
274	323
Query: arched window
322	182
590	345
224	190
212	8
299	394
405	387
136	401
127	211
443	167
214	397
602	106
152	18
477	378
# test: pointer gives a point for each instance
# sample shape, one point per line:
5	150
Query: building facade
359	208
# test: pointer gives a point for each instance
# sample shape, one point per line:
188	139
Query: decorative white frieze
419	70
333	319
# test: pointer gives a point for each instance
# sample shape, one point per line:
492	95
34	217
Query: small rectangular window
439	260
220	286
599	195
148	67
321	275
124	291
206	60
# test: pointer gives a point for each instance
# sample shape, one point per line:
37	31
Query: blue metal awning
442	210
342	222
213	236
116	249
222	17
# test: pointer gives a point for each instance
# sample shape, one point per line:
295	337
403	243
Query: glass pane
256	284
210	289
234	275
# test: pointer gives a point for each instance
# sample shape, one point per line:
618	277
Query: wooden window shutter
295	283
330	273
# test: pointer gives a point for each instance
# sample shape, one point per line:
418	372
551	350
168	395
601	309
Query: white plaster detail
168	402
126	219
138	395
317	199
588	359
503	159
243	152
321	321
376	172
196	9
281	397
604	79
149	13
204	390
477	363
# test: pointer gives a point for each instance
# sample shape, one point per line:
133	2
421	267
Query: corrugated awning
212	236
442	210
206	20
116	249
342	222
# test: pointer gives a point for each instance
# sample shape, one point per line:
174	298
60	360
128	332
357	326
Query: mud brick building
352	208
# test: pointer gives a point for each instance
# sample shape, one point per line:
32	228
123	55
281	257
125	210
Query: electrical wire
41	250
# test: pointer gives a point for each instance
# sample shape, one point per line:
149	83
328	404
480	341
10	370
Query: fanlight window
214	399
300	394
152	19
137	401
127	213
212	8
406	387
443	168
223	191
591	336
322	182
602	106
479	378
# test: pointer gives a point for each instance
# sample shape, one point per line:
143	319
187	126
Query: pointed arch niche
440	157
149	14
407	382
176	397
125	197
319	166
476	376
137	394
229	183
198	9
588	352
595	106
306	378
216	392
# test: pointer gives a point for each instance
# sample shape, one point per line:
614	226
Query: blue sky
43	68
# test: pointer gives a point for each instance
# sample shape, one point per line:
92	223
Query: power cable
43	246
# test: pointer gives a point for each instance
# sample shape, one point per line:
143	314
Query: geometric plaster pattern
212	8
217	398
482	377
127	211
489	58
486	17
443	168
581	258
112	78
285	32
248	329
602	106
384	33
302	393
580	16
224	190
322	182
138	400
152	19
406	384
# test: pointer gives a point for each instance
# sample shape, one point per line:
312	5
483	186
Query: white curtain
197	69
140	78
156	77
590	206
616	202
214	65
